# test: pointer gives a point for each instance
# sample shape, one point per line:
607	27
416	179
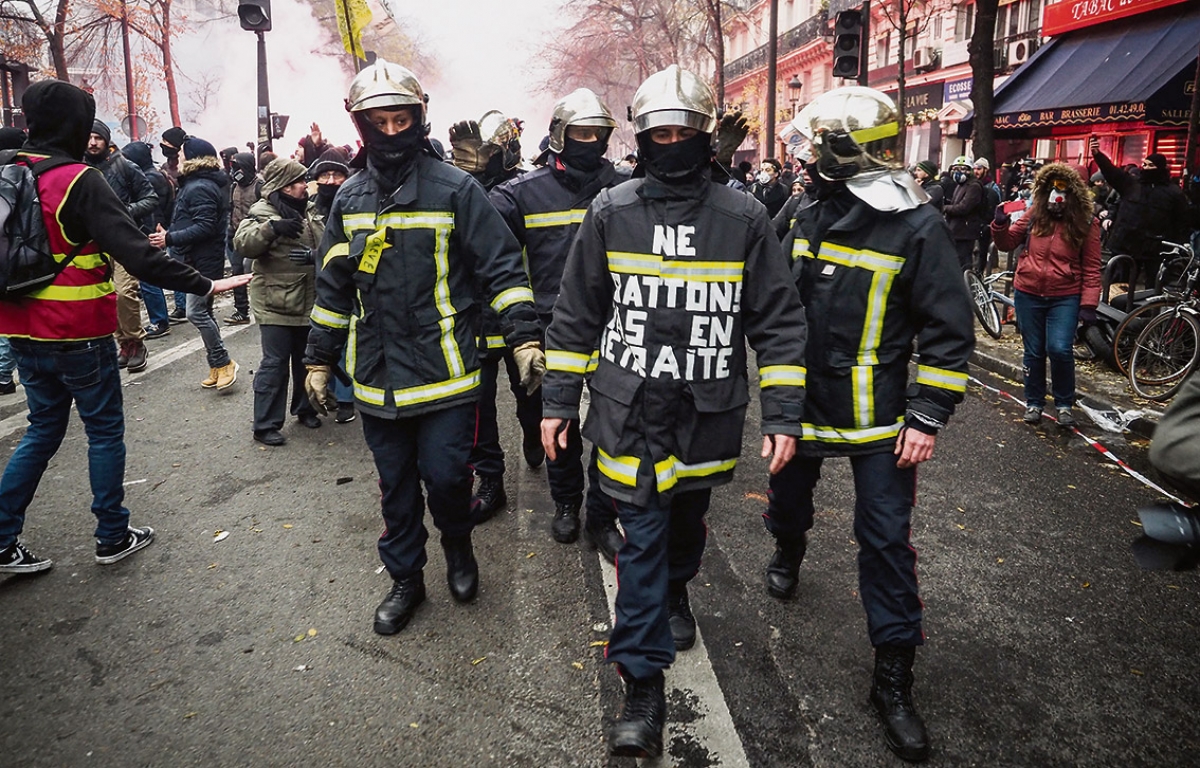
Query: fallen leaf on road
1138	672
597	643
1071	486
189	715
477	662
344	480
256	530
287	525
412	725
220	536
177	464
1086	584
531	554
737	645
999	559
757	496
577	665
1172	586
297	638
961	527
301	668
211	566
1137	523
312	632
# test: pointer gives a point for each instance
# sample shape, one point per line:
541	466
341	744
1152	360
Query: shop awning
1100	74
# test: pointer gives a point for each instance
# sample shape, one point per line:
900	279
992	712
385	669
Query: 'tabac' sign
1074	14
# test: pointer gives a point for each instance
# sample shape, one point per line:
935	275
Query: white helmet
384	84
674	96
579	107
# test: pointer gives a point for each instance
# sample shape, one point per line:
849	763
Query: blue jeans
198	314
8	363
1048	328
156	303
54	374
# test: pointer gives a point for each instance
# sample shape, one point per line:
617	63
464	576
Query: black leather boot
679	612
565	528
891	695
531	446
401	603
489	499
638	730
462	572
783	572
605	537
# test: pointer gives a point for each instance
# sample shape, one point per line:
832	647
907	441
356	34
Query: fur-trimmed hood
202	163
1051	171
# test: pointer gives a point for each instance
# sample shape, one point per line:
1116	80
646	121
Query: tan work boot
211	381
227	375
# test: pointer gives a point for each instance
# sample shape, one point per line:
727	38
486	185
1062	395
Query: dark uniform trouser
432	449
564	473
887	562
662	544
283	352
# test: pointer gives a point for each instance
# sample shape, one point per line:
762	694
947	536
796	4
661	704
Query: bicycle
1177	280
984	299
1166	351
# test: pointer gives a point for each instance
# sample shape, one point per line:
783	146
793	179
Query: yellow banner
353	16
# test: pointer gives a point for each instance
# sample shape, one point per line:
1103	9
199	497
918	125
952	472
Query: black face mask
325	194
390	153
295	203
584	156
169	151
1155	175
822	189
679	162
239	175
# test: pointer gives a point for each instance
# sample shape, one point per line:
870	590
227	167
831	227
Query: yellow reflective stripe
593	362
355	221
493	342
861	259
450	350
441	298
74	292
554	218
569	362
511	296
862	381
352	344
841	435
800	248
781	376
622	469
370	395
875	133
942	378
442	389
416	219
669	471
322	316
881	286
624	262
340	249
84	261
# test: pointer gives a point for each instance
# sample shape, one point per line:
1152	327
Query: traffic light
847	44
255	15
278	125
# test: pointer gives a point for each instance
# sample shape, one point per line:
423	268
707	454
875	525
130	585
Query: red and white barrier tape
1104	451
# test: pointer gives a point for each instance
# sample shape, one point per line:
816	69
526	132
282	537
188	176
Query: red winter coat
1051	267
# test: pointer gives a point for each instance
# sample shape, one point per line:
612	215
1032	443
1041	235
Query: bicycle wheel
1127	332
981	301
1165	353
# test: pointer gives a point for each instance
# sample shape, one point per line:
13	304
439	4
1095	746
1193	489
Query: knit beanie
194	147
1160	161
928	167
175	136
983	163
281	172
102	130
332	159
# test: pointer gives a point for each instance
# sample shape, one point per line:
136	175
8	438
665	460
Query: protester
10	138
926	176
877	276
1057	283
963	211
62	334
245	191
767	189
133	189
197	236
668	424
991	198
280	235
405	244
141	154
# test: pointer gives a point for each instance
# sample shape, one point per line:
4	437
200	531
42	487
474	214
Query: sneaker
177	316
345	413
137	357
1033	414
1066	418
8	387
137	538
237	318
157	330
226	375
16	559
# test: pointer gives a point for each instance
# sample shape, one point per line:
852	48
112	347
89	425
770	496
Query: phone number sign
1076	14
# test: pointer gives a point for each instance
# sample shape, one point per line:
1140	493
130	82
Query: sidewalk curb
1142	427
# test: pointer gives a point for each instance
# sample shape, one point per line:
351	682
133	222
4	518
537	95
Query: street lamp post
255	16
794	86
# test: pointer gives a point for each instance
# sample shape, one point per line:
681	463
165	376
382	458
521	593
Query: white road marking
18	421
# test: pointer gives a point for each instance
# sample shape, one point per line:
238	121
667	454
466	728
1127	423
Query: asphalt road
1046	645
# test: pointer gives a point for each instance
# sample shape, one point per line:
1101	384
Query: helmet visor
685	117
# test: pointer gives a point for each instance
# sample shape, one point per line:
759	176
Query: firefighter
543	209
877	271
405	243
671	273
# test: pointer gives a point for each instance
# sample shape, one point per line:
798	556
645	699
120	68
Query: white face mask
763	177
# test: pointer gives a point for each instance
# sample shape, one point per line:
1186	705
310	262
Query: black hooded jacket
140	153
1152	209
60	117
201	218
128	181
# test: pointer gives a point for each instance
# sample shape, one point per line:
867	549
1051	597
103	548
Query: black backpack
27	262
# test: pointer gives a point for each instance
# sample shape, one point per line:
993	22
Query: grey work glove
531	364
316	384
467	148
731	132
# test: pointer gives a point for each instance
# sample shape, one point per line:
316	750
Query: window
964	23
936	29
1014	18
1034	20
882	44
1001	20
